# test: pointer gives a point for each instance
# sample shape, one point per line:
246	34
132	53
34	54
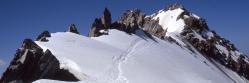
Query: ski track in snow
119	60
120	67
179	67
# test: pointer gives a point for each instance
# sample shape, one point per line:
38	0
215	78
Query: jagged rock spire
72	29
96	27
106	18
102	23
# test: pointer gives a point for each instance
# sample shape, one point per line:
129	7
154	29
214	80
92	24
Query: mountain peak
147	44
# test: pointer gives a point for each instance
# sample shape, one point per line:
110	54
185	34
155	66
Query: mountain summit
172	45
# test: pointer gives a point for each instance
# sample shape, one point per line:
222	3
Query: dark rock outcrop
43	36
130	21
72	28
96	27
196	24
152	26
173	6
181	16
31	63
208	46
100	25
106	19
132	18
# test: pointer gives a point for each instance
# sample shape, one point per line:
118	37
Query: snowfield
123	58
135	58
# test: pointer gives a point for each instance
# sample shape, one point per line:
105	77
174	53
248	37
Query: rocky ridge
196	32
31	62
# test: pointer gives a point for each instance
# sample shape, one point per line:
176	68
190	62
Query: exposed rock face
100	25
152	27
106	18
96	27
43	36
31	63
72	28
130	21
208	46
196	24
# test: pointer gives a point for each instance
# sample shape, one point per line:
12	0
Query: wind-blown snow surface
122	58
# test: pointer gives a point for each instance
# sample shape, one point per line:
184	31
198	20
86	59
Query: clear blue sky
21	19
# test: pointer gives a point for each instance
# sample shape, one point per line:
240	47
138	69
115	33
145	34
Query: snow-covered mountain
172	45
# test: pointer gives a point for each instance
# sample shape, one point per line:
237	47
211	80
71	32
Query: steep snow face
168	20
123	58
174	25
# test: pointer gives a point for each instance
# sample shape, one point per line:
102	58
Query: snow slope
122	58
168	20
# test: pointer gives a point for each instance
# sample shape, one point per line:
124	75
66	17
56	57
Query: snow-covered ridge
122	58
176	19
170	46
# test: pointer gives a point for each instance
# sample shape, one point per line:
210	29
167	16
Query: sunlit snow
135	58
129	59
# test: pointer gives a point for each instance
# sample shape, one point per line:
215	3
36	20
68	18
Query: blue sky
20	19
